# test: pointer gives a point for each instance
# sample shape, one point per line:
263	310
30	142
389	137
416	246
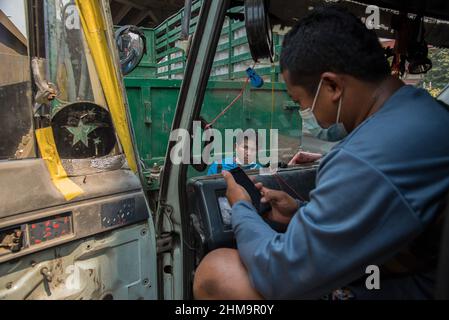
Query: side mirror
132	45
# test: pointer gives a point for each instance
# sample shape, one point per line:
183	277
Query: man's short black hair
331	39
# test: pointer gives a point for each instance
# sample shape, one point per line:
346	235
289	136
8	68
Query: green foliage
437	78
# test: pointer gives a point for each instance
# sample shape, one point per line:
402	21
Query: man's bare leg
221	275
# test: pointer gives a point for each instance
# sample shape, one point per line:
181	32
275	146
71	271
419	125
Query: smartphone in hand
242	179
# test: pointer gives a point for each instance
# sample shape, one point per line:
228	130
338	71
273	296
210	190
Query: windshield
238	109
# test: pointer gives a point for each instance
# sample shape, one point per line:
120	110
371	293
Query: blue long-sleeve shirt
375	192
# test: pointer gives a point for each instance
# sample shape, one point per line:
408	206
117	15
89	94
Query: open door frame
171	218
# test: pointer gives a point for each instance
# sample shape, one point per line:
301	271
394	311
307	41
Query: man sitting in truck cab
378	192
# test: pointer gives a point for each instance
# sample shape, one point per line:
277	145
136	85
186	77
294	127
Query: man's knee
208	274
221	275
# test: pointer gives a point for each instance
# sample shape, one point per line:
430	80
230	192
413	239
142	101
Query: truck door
74	220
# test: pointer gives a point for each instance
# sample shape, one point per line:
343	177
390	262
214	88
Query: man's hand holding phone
283	206
234	192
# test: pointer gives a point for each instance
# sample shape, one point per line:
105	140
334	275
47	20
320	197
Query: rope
229	106
239	96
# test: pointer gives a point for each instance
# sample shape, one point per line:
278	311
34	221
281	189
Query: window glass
16	127
70	64
81	121
267	111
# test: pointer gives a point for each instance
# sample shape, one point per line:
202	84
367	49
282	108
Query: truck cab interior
204	214
88	209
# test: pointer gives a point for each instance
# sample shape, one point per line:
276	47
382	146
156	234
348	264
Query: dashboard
212	212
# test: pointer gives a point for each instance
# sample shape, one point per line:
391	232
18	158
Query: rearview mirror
131	44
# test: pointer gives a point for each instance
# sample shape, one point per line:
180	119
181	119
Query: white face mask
334	133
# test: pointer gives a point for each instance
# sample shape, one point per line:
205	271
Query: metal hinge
164	243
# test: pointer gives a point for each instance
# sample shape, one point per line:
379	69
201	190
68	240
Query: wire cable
282	180
229	106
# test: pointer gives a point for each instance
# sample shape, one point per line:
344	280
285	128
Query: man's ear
334	84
